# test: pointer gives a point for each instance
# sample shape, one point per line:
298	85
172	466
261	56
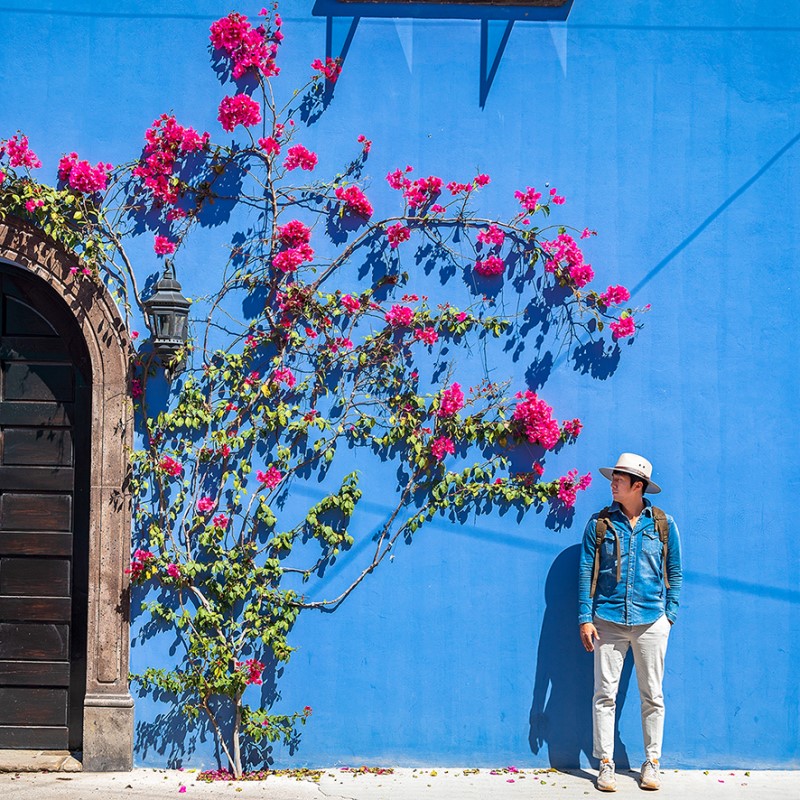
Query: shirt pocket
651	542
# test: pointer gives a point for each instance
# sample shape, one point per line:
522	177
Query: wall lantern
167	312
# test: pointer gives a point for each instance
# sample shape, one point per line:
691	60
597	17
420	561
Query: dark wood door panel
26	705
27	380
35	609
37	447
35	543
35	512
21	318
45	577
34	673
25	412
36	479
33	738
16	348
34	641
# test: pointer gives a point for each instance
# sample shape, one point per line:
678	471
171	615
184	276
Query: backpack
604	523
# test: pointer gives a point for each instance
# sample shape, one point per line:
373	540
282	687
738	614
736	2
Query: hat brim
652	488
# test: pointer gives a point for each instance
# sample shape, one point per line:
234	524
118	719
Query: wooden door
44	481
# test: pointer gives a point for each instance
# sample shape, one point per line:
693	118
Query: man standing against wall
629	585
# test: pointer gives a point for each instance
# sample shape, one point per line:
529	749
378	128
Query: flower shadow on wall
325	365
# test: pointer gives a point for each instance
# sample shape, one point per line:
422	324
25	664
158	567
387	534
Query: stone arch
108	706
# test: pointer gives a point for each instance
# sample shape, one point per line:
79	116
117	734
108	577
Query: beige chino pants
649	644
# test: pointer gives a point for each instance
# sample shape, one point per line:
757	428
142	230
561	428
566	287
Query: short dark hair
633	478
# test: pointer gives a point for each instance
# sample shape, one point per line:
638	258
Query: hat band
631	471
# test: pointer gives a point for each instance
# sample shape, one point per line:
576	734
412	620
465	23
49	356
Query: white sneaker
606	779
650	778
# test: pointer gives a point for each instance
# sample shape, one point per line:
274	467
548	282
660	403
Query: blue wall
673	129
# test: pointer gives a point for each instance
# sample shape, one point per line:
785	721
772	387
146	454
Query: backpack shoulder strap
662	526
602	524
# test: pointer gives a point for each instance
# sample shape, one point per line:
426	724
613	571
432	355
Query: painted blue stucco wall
673	129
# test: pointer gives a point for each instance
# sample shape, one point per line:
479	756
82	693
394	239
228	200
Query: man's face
622	489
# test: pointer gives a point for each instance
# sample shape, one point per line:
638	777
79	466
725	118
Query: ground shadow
561	710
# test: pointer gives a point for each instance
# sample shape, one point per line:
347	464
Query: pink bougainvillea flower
247	47
397	233
454	187
537	469
271	478
170	466
294	233
528	199
82	176
139	563
491	236
269	146
136	389
355	200
366	144
330	70
569	485
422	191
300	156
490	266
482	179
587	233
350	303
572	427
581	274
240	109
31	205
452	401
615	295
163	245
206	504
19	153
307	711
563	253
220	521
290	259
173	570
437	209
284	375
427	335
535	420
461	316
165	142
623	327
399	316
441	447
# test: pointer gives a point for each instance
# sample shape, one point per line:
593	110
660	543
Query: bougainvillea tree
317	343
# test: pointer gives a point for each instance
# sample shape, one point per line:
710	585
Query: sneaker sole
607	788
650	787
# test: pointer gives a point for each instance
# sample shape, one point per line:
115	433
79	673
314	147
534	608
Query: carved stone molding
108	706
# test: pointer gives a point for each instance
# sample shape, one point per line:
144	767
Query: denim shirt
641	596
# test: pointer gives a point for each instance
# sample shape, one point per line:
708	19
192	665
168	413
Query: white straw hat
631	464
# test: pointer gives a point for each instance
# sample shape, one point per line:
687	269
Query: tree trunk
237	753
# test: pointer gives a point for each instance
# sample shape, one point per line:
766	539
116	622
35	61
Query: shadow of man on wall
561	711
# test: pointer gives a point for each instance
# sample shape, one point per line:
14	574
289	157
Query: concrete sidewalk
404	784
